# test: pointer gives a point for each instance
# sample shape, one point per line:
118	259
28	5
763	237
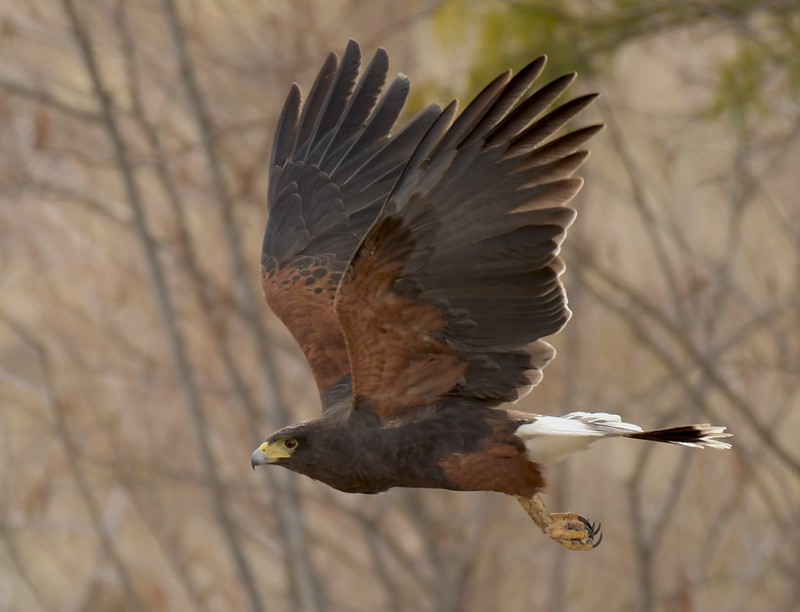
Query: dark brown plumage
419	273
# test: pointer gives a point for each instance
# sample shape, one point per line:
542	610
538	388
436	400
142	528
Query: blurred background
139	366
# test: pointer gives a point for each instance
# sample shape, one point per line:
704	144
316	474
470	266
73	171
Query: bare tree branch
41	96
158	278
708	369
71	453
304	580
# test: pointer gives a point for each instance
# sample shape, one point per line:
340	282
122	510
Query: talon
592	528
569	529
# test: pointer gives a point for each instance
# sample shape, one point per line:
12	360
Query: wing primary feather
563	146
286	132
388	111
368	170
422	152
533	135
380	124
360	106
314	103
335	102
512	92
530	109
474	113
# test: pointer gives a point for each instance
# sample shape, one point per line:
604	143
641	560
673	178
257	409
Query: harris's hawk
419	271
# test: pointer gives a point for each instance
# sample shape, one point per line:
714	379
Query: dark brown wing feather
333	165
457	281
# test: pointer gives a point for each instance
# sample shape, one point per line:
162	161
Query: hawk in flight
418	270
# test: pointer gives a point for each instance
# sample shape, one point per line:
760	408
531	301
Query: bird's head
334	451
284	447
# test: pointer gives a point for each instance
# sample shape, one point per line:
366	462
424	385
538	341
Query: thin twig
41	96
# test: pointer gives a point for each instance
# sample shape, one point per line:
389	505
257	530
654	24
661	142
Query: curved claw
586	522
593	529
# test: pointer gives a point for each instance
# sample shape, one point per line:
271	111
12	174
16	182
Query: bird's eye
290	444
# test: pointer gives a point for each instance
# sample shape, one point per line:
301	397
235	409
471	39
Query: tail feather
550	439
697	436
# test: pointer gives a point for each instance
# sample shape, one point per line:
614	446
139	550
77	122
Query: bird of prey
419	270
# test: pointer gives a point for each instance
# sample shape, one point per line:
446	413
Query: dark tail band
698	436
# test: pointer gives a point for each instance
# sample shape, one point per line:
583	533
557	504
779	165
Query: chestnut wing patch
398	358
301	296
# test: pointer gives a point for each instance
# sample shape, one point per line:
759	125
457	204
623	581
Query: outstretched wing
457	281
333	165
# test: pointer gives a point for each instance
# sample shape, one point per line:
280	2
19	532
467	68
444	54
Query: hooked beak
267	454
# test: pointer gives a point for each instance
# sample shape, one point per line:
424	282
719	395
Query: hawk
418	270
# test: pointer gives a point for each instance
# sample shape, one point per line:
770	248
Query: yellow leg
570	530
